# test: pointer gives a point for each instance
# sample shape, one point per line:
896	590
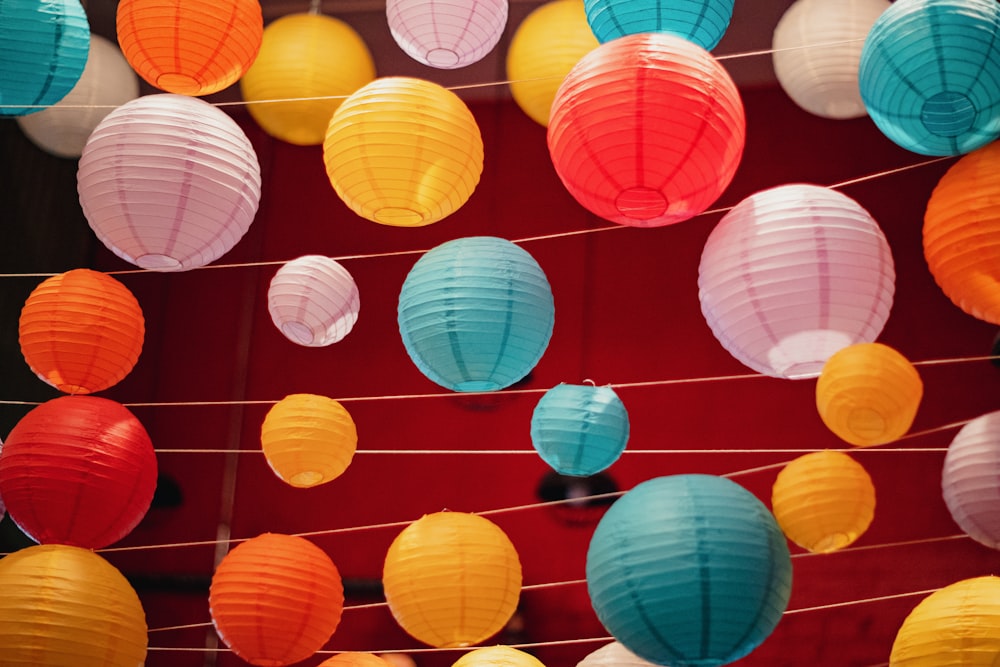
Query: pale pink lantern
613	655
313	301
169	182
446	34
793	274
969	479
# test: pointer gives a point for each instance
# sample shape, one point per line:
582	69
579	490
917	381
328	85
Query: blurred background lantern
969	479
956	626
404	152
107	82
452	579
961	233
498	656
276	599
651	153
308	439
313	300
817	48
81	331
355	660
544	48
78	470
613	655
823	501
930	74
448	34
45	46
169	182
792	274
579	430
868	394
310	62
195	47
476	313
703	22
64	606
680	543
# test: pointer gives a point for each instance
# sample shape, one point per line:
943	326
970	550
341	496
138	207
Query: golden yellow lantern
498	656
355	660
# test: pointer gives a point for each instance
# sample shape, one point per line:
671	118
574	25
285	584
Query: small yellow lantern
355	660
308	439
498	656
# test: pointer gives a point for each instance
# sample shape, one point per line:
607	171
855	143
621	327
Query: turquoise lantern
930	74
476	313
579	430
703	22
689	570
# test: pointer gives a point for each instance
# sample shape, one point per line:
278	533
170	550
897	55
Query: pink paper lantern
969	479
313	301
446	34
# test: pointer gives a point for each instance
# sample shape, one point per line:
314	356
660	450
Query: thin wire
627	452
850	603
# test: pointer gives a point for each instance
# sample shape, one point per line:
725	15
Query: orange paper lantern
308	439
355	660
498	656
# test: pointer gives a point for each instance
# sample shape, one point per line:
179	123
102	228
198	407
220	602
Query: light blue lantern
579	430
689	570
476	313
930	74
45	47
703	22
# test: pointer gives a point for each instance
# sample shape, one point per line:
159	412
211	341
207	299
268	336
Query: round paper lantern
308	439
81	331
196	47
792	274
647	130
817	48
355	660
78	470
613	655
403	152
957	626
703	22
452	579
169	182
498	656
276	599
310	62
689	570
446	34
968	479
579	430
313	301
930	74
45	47
961	233
823	501
64	606
476	313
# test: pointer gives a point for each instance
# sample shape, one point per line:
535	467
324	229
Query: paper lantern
446	34
792	274
544	48
689	570
355	660
969	479
961	233
45	47
476	313
823	501
579	430
310	62
956	626
647	130
930	74
169	182
498	656
613	655
403	152
313	301
308	439
64	606
817	48
703	22
195	47
78	470
81	331
452	579
276	599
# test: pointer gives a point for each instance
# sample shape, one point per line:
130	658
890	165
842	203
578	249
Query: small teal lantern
579	430
45	47
703	22
476	313
930	74
689	570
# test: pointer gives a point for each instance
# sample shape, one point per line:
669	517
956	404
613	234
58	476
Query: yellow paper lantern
868	394
823	501
355	660
308	439
498	656
452	579
312	62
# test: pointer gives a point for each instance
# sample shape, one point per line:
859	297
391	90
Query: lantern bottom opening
306	479
832	542
157	262
867	426
641	203
398	216
297	332
180	84
441	57
802	355
948	114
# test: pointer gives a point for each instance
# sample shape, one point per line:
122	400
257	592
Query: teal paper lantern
579	430
703	22
930	74
45	47
476	313
689	570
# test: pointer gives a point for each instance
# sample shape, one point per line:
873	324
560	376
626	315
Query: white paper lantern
313	301
613	655
446	34
969	479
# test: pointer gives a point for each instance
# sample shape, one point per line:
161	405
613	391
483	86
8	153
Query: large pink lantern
969	479
313	301
446	34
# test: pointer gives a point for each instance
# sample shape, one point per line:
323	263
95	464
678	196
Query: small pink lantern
446	34
969	479
313	301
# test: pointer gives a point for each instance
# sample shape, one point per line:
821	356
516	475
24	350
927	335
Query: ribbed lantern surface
313	300
446	34
703	22
968	479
